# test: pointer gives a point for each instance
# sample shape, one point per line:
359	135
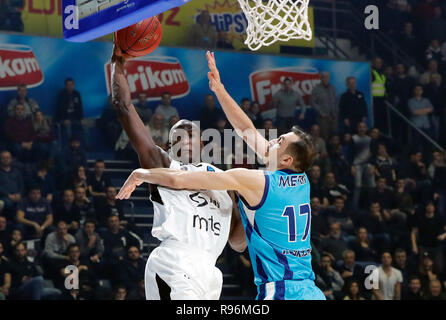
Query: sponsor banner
153	76
18	65
44	63
44	17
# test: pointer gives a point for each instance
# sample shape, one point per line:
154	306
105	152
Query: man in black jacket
352	107
69	112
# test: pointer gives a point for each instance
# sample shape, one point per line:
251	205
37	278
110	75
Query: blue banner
44	63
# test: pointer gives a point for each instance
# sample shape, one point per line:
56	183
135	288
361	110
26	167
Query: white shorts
190	274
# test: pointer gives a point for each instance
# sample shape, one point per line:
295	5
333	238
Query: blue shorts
289	290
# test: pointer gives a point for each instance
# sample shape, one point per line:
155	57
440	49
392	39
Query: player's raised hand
130	185
213	74
117	53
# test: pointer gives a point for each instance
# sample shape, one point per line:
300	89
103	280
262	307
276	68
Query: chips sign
265	83
18	65
153	76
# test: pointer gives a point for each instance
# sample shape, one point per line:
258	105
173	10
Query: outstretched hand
130	185
213	74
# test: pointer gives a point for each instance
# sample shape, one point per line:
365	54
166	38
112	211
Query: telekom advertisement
44	63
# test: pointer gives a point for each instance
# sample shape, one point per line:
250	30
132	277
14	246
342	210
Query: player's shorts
289	290
176	271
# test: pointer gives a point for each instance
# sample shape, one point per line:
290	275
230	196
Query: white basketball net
275	20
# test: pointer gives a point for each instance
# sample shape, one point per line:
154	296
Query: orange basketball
141	38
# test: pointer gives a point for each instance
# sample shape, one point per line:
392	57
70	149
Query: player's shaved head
185	141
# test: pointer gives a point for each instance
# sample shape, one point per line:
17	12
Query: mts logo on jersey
203	223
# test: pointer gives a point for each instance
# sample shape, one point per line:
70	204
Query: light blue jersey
278	234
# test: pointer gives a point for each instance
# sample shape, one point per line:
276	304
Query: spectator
404	201
109	124
435	92
78	179
400	262
319	149
334	244
34	214
56	245
402	88
414	289
363	247
332	190
435	291
323	100
427	235
255	115
353	293
426	271
408	39
11	183
203	33
16	237
383	166
210	114
30	105
111	207
72	156
84	205
319	225
26	283
5	231
90	243
139	293
66	211
380	113
98	180
172	121
43	136
142	108
328	279
87	274
120	292
116	240
285	102
433	52
439	185
338	213
389	278
69	112
158	131
349	269
5	274
130	270
352	106
361	161
166	109
375	222
432	69
317	184
20	133
11	15
416	176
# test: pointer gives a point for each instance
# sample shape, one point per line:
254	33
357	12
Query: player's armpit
237	236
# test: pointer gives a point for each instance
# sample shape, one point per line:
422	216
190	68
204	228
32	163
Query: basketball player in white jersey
193	225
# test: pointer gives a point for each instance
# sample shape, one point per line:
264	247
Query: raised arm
236	116
150	155
248	183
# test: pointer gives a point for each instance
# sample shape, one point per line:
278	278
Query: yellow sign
43	17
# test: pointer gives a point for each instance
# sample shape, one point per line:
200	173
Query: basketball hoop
275	20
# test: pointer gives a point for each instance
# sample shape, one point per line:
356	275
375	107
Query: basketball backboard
85	20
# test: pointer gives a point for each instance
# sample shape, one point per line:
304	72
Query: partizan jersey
199	218
278	229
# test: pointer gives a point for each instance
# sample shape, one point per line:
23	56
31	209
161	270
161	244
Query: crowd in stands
378	193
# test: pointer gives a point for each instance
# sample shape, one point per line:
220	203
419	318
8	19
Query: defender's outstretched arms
150	155
238	119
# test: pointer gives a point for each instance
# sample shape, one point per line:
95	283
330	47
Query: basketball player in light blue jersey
274	204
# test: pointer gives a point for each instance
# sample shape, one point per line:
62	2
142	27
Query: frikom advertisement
180	71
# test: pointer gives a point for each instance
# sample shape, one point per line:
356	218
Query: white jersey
198	218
